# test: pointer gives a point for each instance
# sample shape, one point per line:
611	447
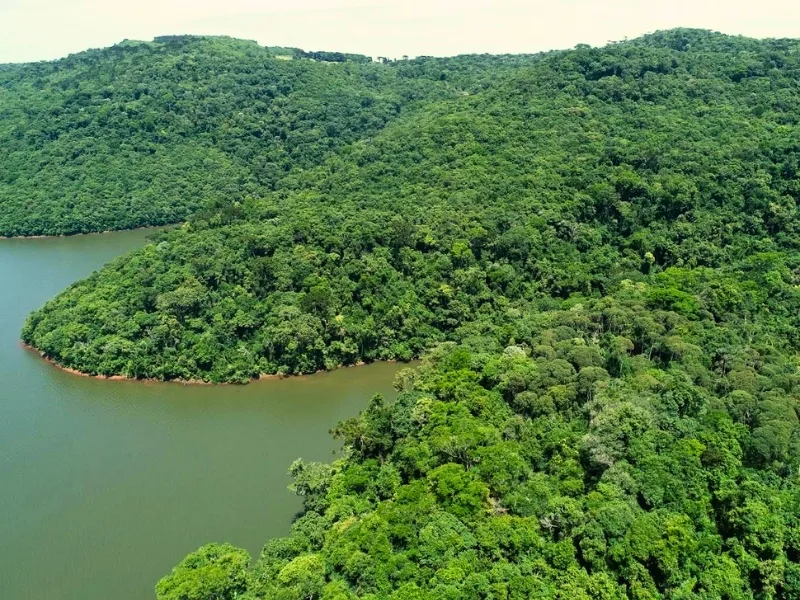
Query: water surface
105	485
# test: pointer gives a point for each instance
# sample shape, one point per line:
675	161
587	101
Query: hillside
145	133
563	176
604	458
595	252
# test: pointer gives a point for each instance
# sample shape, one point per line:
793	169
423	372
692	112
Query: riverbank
54	363
90	233
189	382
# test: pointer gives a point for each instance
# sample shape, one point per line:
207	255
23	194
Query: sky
46	29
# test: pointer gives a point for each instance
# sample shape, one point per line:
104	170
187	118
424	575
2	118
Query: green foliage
452	214
148	133
646	483
213	572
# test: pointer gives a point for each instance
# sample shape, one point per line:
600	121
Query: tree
212	572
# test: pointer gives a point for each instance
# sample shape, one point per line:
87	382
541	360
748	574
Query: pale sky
46	29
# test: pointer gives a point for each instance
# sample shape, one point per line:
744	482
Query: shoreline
71	235
186	382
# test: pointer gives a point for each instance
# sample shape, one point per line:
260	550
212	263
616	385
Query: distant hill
145	133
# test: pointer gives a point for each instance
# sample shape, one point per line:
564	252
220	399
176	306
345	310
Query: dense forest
613	452
558	176
146	133
595	251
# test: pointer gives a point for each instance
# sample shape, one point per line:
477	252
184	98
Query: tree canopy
624	447
555	175
145	133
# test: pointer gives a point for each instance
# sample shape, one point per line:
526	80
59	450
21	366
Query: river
105	485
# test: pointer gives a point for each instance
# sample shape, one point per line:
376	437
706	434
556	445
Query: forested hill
596	252
146	133
562	175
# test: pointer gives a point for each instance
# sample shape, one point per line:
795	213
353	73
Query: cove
105	485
